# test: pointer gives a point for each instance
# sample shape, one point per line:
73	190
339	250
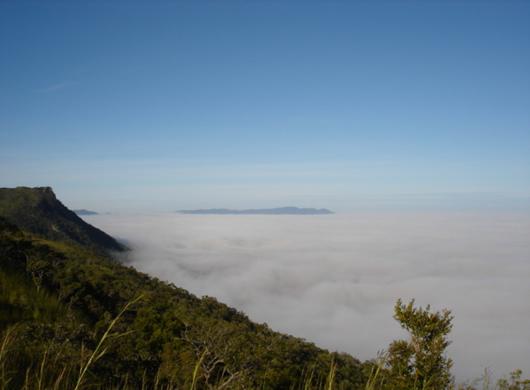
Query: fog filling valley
334	279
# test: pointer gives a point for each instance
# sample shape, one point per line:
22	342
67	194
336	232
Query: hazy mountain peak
286	210
85	212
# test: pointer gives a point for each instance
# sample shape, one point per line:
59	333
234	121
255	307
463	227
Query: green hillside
38	211
58	299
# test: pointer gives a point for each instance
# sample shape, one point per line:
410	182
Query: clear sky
140	106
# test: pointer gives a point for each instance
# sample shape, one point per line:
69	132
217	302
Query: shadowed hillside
38	211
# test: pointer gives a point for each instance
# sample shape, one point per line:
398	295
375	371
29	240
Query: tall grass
7	340
49	374
100	349
330	381
375	379
197	369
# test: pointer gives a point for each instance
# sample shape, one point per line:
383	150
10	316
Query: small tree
515	382
420	362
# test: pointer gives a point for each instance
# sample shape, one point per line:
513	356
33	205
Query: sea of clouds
334	279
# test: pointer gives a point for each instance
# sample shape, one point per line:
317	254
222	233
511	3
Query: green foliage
420	362
514	381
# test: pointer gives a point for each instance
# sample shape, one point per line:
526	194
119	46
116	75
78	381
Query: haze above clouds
334	279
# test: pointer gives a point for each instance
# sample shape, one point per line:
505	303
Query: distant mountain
273	211
38	211
85	212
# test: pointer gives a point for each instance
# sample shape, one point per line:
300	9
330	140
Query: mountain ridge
37	210
287	210
81	212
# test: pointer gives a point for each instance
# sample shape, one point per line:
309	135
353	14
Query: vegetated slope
38	211
61	297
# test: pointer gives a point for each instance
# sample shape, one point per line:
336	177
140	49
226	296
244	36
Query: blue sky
152	106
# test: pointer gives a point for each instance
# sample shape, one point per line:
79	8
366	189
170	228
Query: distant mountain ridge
85	212
290	210
37	210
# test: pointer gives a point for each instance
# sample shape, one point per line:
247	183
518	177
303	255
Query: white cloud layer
334	279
